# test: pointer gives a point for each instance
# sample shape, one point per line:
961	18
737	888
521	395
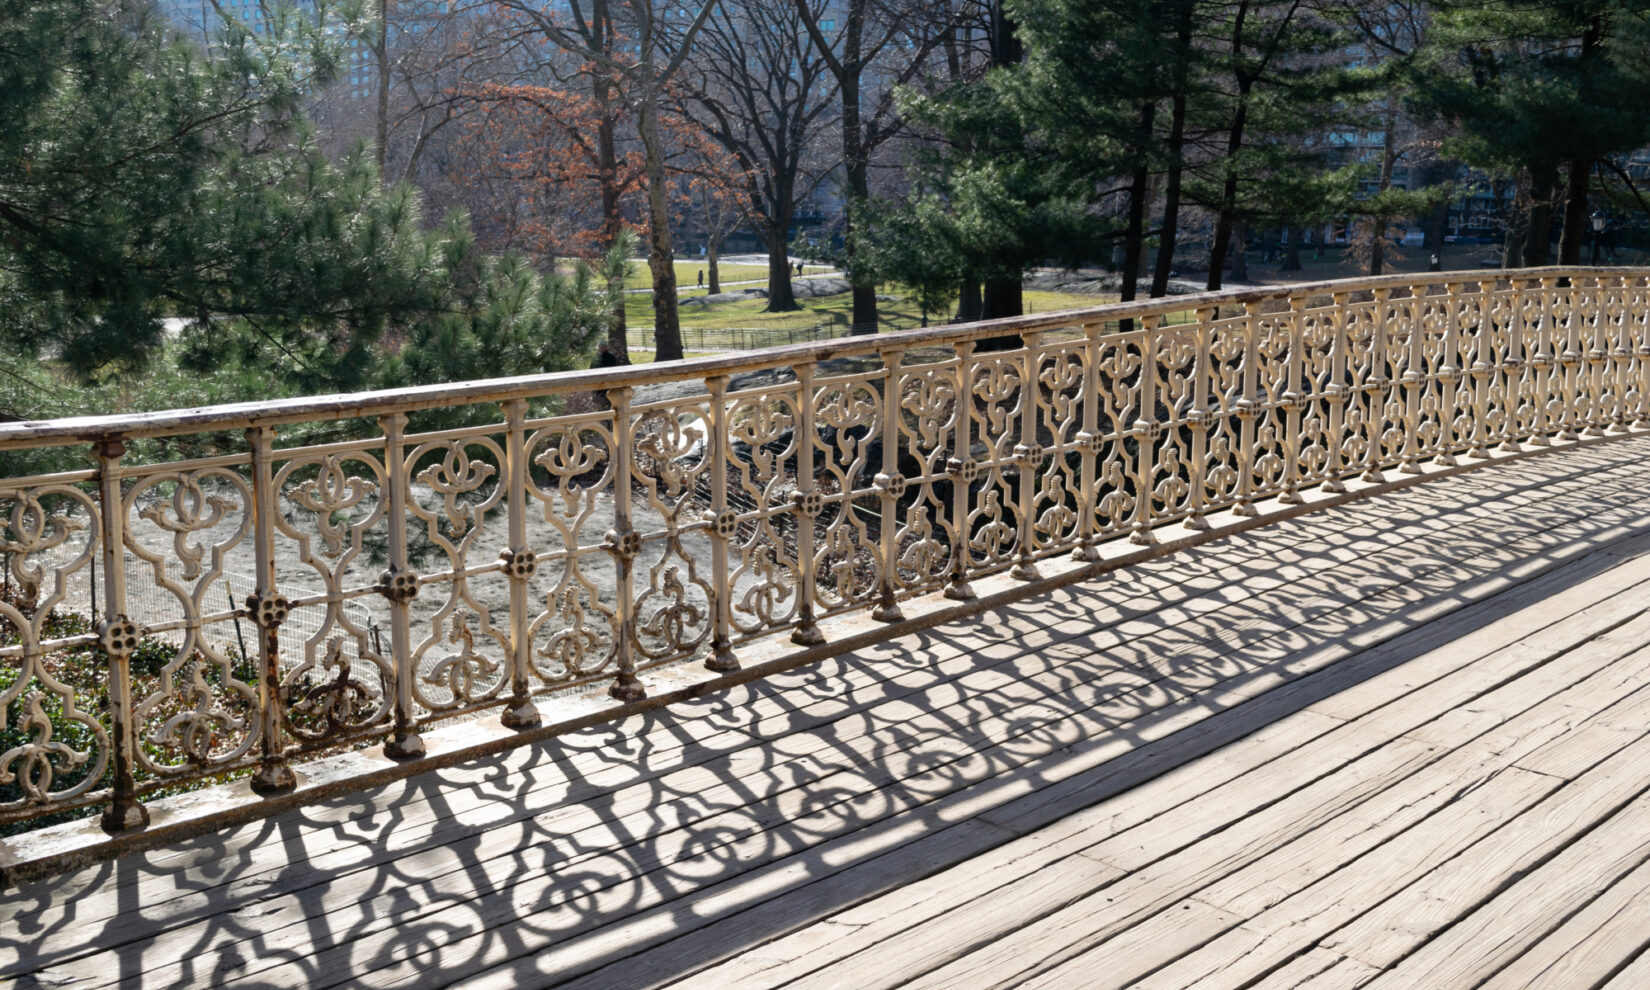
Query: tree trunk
1226	214
1539	232
607	178
618	335
969	303
1226	217
1292	256
865	302
1575	232
661	259
1437	226
713	250
1515	218
381	54
1389	159
781	298
1002	297
1134	246
855	165
1240	254
1177	141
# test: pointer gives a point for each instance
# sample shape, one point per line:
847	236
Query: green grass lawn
687	273
746	323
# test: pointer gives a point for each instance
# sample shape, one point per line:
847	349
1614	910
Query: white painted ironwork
411	570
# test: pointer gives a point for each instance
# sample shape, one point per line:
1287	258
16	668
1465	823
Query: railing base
404	746
627	688
722	661
124	818
273	777
522	715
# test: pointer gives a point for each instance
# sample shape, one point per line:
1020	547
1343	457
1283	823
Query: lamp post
1598	228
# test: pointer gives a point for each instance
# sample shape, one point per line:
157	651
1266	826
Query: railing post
890	486
1088	445
1622	355
1247	409
1640	335
1291	403
1482	370
963	471
1512	367
1336	394
1413	380
809	504
1375	386
268	608
118	636
520	563
1029	455
1597	355
1203	408
724	525
399	585
1449	376
1570	360
1542	363
1146	430
624	543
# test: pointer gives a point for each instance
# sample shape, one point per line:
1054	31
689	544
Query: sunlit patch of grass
895	311
687	273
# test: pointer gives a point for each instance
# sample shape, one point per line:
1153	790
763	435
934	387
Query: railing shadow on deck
807	777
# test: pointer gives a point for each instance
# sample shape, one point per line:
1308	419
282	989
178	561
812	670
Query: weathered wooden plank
1590	945
846	932
1497	930
1635	975
1087	924
1360	657
924	955
1358	874
1283	930
1395	927
1208	811
1318	969
856	929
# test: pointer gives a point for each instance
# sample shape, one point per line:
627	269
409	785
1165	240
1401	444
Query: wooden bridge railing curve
230	589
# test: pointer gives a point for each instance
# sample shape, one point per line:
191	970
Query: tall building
200	17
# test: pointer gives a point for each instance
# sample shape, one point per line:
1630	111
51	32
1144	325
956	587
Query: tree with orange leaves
626	53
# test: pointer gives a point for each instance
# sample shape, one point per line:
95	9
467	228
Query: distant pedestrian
701	278
799	268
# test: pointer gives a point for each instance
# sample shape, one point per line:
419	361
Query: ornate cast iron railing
598	524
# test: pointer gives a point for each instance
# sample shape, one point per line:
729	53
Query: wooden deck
1402	743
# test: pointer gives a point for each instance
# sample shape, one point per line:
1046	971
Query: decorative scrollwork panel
54	745
196	679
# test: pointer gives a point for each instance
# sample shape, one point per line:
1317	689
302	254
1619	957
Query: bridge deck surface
1404	742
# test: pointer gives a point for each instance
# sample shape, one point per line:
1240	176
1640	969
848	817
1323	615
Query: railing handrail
36	433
